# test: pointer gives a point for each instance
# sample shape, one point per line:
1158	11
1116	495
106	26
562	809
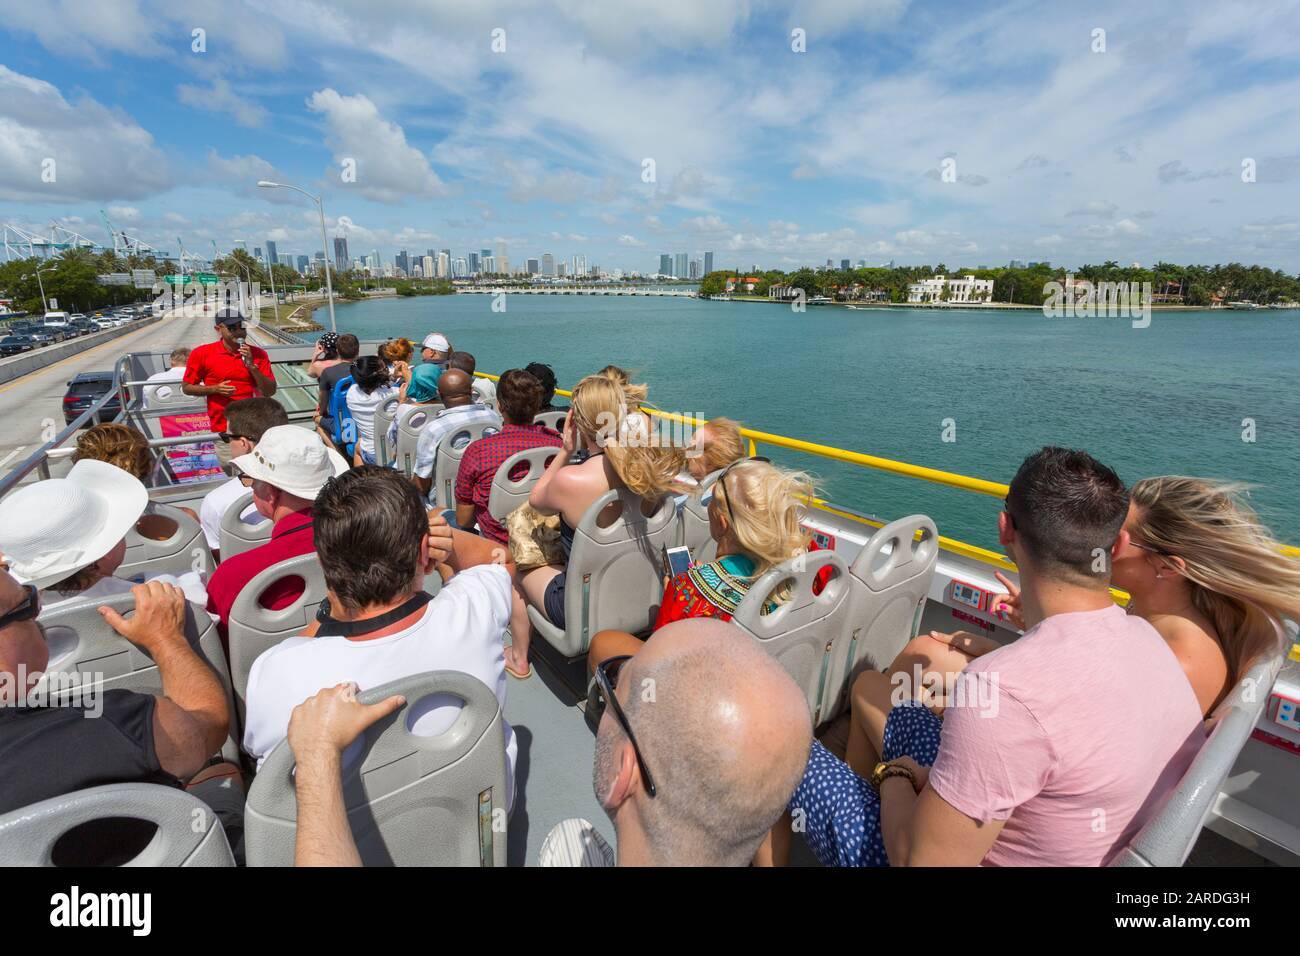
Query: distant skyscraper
708	263
302	264
503	259
679	269
473	263
403	262
533	267
444	265
695	268
548	264
257	253
484	254
844	264
341	260
426	265
665	264
270	252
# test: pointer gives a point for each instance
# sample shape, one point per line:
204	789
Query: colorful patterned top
710	590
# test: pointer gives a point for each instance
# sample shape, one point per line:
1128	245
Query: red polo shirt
212	364
292	536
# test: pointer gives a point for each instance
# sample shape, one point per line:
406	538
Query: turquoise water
1170	398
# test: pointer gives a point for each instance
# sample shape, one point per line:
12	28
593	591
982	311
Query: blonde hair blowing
764	505
1240	578
724	446
636	394
600	411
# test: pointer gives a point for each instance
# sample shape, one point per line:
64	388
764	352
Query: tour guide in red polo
288	468
226	370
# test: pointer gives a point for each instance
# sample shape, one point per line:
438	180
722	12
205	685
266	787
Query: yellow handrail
934	475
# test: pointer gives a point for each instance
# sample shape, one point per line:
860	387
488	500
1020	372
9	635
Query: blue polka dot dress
839	810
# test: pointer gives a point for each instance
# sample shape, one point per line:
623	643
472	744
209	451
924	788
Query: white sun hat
56	527
437	341
292	459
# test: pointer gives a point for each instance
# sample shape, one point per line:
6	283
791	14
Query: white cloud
388	169
220	98
626	240
124	213
96	153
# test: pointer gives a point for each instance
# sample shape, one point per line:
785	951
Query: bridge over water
562	290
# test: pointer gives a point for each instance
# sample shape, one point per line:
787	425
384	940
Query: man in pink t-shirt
1057	747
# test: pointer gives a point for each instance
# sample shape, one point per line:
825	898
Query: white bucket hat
56	527
437	341
292	459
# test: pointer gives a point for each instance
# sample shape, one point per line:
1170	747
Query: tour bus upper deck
1254	808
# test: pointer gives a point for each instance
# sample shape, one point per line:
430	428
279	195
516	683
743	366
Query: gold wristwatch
886	769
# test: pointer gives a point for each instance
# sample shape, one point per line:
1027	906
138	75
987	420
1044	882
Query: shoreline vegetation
1169	284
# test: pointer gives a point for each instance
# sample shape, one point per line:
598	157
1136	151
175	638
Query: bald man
723	734
461	421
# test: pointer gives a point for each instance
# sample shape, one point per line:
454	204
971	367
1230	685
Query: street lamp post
320	208
44	304
275	300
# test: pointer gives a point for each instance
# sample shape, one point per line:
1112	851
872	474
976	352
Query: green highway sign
203	278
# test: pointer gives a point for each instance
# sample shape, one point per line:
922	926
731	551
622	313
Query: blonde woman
596	459
717	444
1198	566
754	518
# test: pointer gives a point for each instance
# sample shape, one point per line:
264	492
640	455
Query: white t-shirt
153	393
461	630
362	407
217	502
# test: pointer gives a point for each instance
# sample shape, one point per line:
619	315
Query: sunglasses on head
722	480
228	437
607	672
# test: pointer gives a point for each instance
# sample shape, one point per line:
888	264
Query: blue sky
1051	149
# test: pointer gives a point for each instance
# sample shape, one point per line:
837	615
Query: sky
773	134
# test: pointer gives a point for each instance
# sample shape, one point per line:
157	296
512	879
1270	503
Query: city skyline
871	130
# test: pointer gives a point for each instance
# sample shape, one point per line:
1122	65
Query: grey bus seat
1168	836
888	581
173	400
253	629
615	572
189	832
451	449
384	415
235	536
411	800
552	418
508	494
82	642
694	518
408	436
186	550
804	631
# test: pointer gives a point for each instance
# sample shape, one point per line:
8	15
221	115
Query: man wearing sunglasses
702	742
246	421
122	736
227	370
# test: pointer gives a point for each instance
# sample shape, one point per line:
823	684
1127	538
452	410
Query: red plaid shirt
479	465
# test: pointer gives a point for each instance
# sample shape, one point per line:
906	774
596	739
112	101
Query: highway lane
31	407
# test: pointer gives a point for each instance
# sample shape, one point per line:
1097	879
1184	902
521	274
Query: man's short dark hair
349	346
251	417
1067	509
519	397
463	361
546	375
368	524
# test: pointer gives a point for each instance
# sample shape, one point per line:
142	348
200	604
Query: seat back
694	520
189	833
253	629
86	654
169	395
889	581
186	549
345	429
451	448
408	436
235	536
411	800
804	631
487	396
508	494
383	419
1168	836
553	418
615	573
